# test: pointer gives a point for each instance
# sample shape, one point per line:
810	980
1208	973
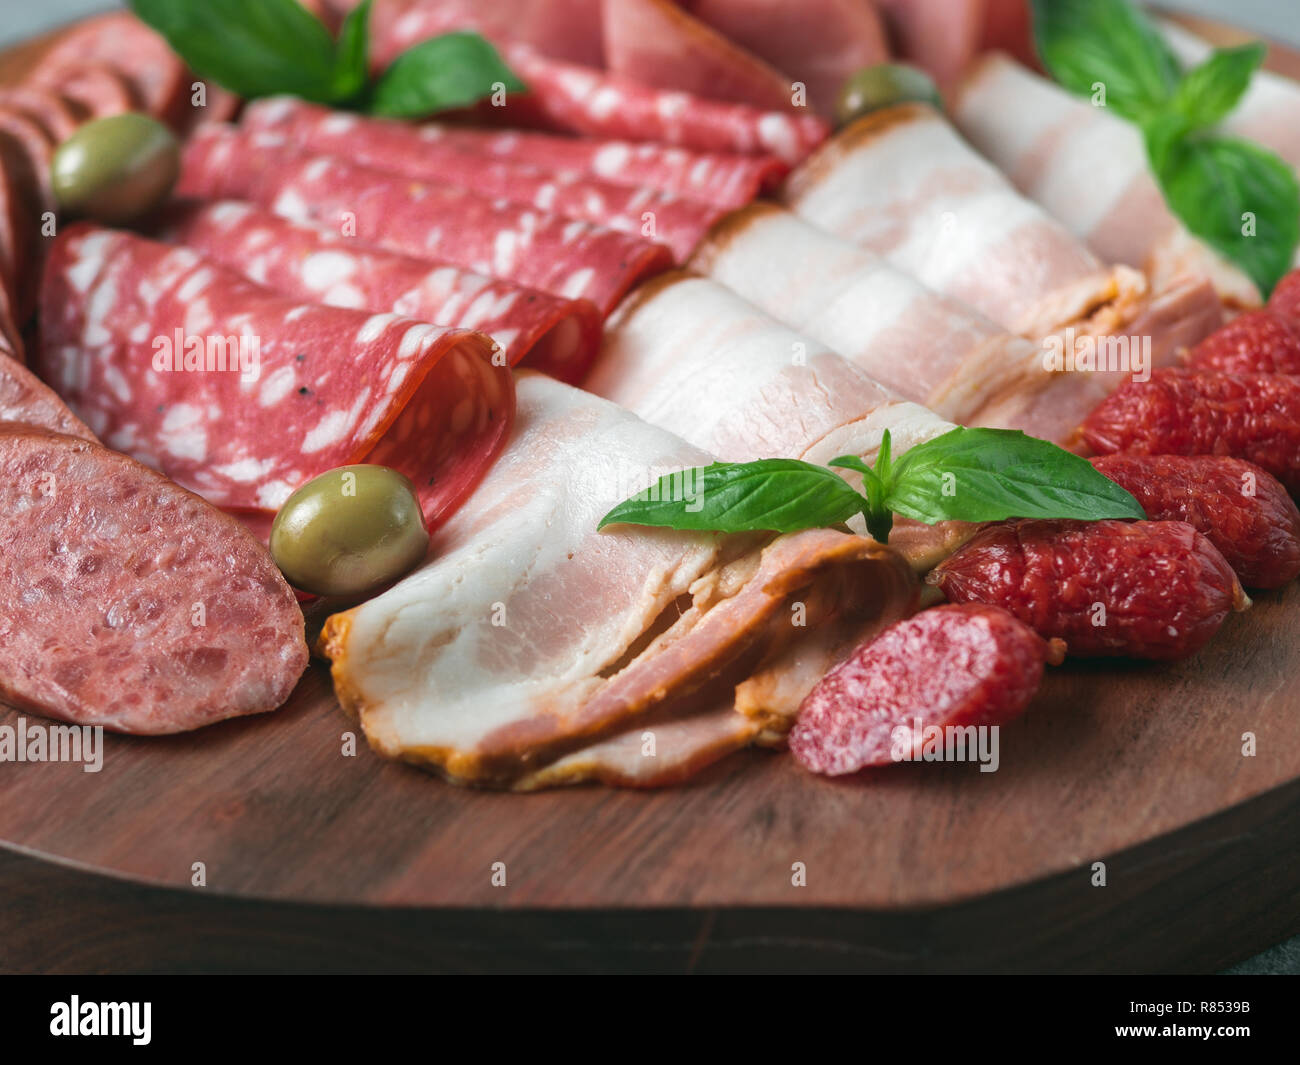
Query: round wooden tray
313	859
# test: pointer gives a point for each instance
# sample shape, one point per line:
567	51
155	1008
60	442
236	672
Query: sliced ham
1037	132
306	262
903	184
820	43
424	154
241	394
570	644
565	257
656	43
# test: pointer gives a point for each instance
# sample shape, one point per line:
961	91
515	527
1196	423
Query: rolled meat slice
423	154
570	646
99	88
55	114
558	336
128	602
567	258
242	394
1089	170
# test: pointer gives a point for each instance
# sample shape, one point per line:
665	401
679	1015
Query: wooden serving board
917	867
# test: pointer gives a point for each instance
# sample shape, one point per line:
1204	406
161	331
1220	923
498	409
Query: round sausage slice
128	602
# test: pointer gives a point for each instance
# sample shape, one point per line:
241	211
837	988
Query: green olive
884	85
349	531
117	168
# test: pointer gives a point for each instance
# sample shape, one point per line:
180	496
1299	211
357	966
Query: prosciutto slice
1036	133
306	262
241	394
424	154
577	655
567	258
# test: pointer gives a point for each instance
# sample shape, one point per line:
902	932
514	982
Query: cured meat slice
99	88
403	149
1036	133
218	105
242	394
562	256
36	146
944	36
11	338
926	347
819	42
57	116
21	204
128	602
595	632
24	398
577	99
901	183
656	43
560	337
126	44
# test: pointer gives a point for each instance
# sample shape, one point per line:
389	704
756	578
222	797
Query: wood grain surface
917	867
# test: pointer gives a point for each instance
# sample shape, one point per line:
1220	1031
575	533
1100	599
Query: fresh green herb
267	47
1239	198
964	475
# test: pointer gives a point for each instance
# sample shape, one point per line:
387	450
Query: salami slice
726	179
38	146
54	113
24	398
404	149
562	256
576	99
242	394
97	87
20	207
11	339
560	337
126	44
128	602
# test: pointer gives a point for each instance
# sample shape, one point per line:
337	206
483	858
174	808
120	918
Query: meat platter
1132	802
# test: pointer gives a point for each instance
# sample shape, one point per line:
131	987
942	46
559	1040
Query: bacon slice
424	154
544	672
560	337
327	387
567	258
1038	135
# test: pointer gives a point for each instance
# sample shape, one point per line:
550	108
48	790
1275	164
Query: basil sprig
1238	197
267	47
963	475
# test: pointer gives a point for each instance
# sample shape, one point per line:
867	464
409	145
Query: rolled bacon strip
423	154
574	654
558	336
567	258
1089	170
242	394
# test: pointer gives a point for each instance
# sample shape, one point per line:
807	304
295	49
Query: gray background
1279	19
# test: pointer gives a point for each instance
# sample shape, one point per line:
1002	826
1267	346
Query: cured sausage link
128	602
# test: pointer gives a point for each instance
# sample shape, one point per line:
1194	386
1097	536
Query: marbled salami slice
404	149
101	89
577	99
559	255
128	602
124	43
558	336
312	387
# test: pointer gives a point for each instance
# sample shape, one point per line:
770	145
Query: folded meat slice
308	262
1089	170
566	639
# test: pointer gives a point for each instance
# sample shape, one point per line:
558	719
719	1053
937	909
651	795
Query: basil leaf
1236	196
992	474
880	520
1209	92
776	495
352	55
251	47
451	71
1086	42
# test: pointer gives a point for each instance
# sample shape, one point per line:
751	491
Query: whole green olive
884	85
117	168
349	531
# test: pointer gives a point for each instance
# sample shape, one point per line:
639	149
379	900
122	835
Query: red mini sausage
1285	299
951	665
1251	416
1239	508
1262	341
1144	589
